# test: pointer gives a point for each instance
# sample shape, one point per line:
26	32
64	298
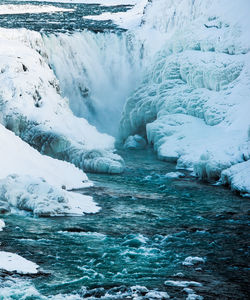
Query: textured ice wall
193	103
31	106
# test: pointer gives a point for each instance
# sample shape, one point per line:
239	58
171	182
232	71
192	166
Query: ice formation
12	262
32	107
193	103
135	142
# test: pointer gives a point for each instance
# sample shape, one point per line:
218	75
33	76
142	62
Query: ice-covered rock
193	103
32	107
135	142
12	262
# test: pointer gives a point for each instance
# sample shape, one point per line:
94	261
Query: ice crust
32	107
193	103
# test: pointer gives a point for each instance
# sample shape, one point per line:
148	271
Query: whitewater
151	100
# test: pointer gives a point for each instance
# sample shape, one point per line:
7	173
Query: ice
193	102
12	262
2	225
32	107
135	142
193	260
12	9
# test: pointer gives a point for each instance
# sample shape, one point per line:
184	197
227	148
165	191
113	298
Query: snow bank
238	177
32	107
37	183
12	9
12	262
193	103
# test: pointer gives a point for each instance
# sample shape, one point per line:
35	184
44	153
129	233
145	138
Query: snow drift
193	103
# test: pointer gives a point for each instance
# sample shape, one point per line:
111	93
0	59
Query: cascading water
96	72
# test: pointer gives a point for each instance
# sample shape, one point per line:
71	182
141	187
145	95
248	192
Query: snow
193	103
2	225
32	107
129	19
12	262
11	9
238	177
37	183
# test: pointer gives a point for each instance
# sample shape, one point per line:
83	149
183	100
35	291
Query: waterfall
96	72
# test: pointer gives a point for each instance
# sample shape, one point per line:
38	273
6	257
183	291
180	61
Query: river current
139	242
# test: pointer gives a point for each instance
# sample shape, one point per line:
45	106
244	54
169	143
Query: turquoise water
61	21
148	225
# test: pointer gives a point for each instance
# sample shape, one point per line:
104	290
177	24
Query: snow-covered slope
32	107
194	101
37	183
